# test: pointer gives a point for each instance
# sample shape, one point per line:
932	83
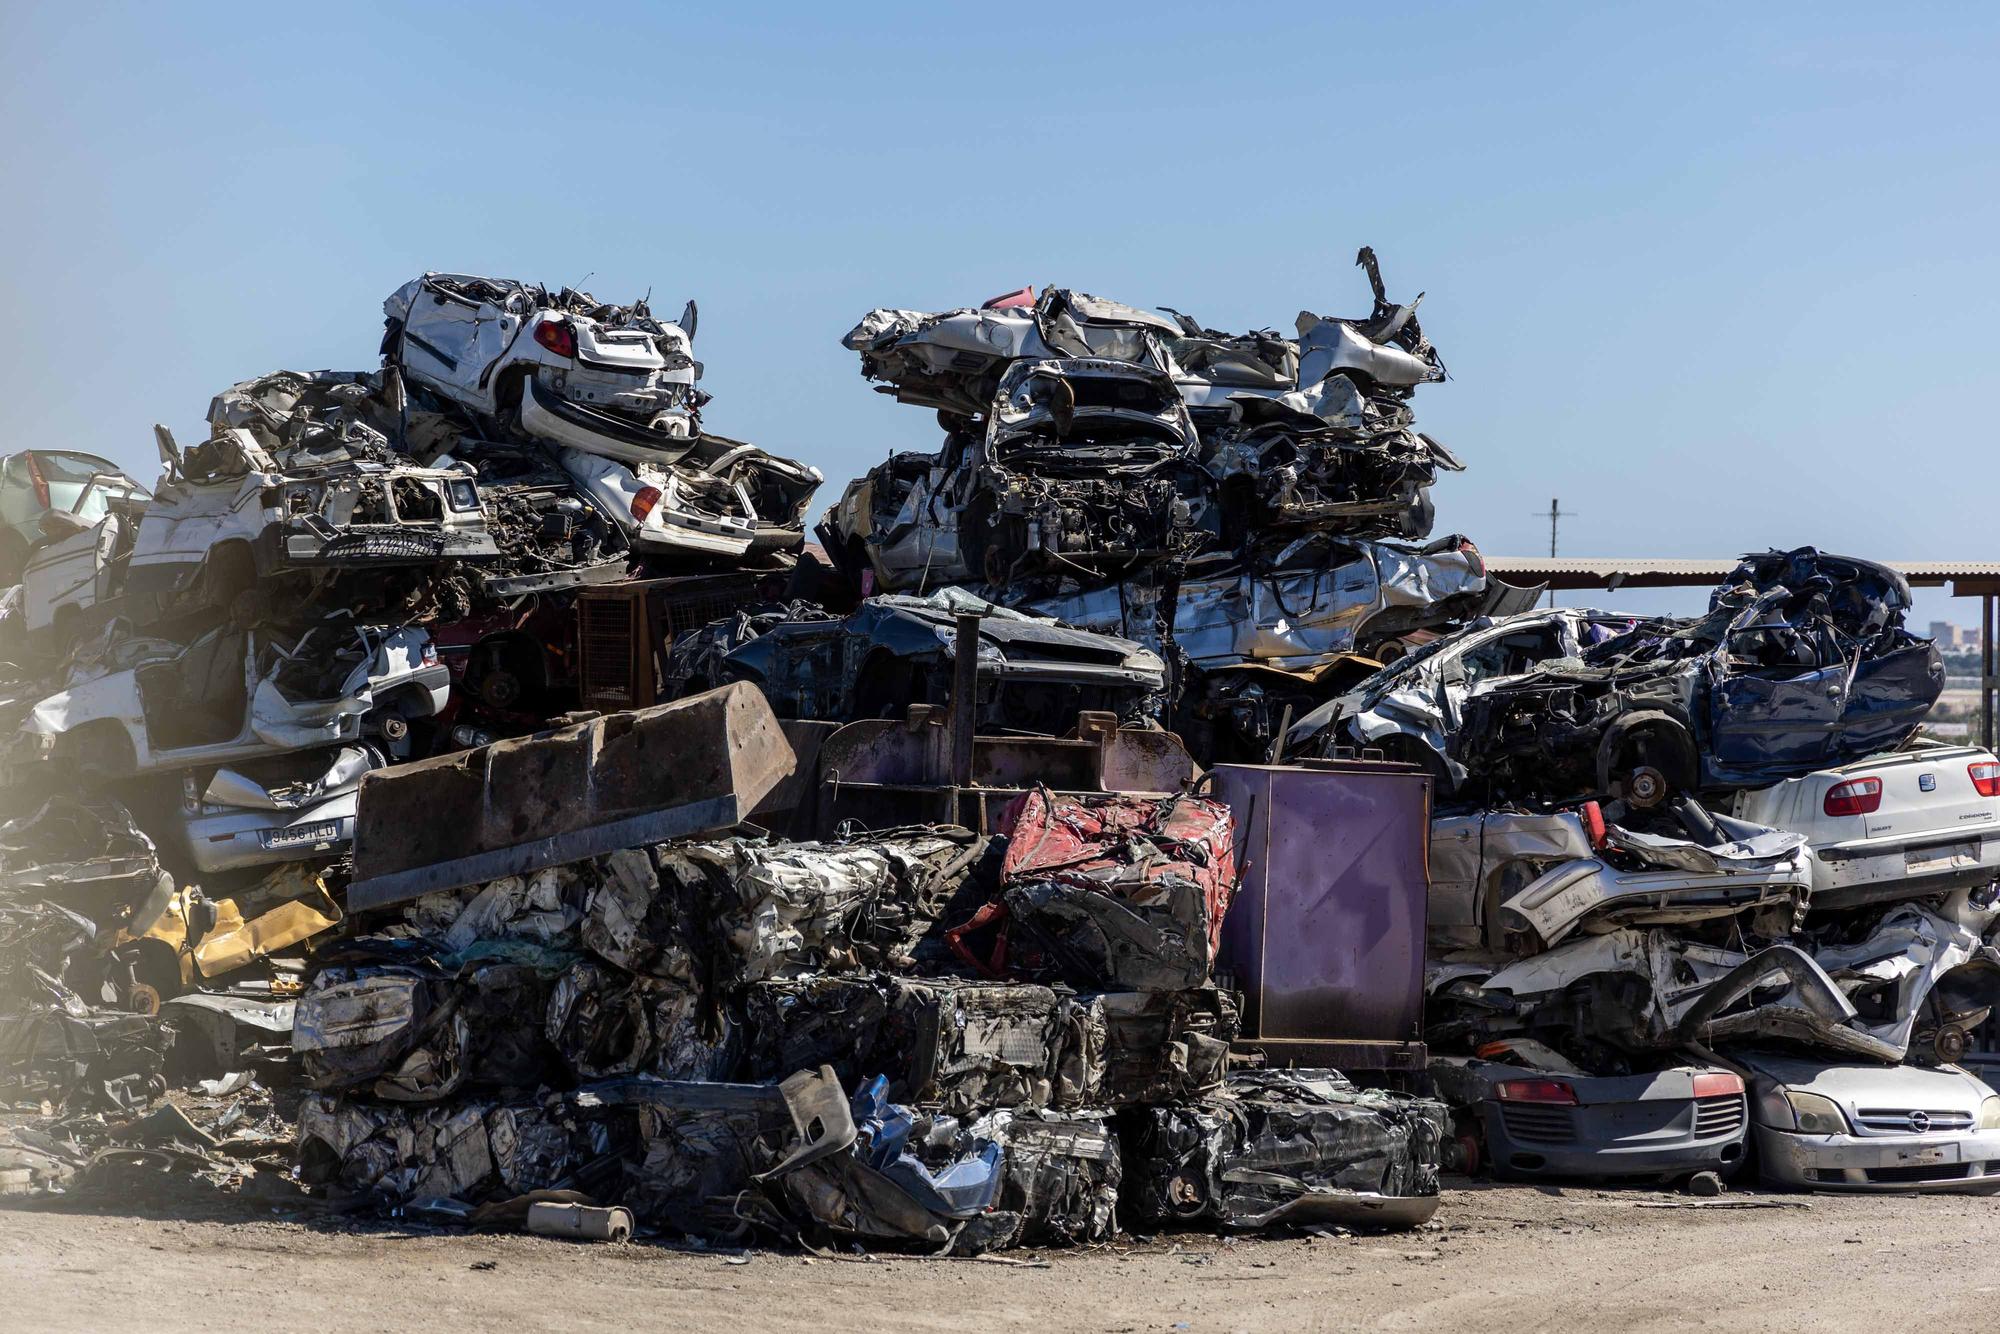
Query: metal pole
964	697
1988	687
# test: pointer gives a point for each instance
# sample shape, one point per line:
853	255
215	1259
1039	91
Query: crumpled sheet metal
55	1046
1060	1174
414	1033
1117	891
780	910
1295	613
1132	1047
910	1179
606	1023
471	1151
1283	1146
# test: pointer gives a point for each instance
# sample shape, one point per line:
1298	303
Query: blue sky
1718	276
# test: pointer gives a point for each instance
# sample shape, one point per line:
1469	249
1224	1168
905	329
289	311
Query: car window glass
1508	655
71	467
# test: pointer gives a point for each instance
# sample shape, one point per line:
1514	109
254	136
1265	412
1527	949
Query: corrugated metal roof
1654	572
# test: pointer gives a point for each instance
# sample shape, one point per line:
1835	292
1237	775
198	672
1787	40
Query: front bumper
1968	1161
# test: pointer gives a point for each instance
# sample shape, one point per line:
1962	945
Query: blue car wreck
1801	662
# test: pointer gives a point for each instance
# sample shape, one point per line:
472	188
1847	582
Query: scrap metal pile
888	909
916	1036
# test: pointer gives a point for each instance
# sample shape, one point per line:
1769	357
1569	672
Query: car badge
1920	1121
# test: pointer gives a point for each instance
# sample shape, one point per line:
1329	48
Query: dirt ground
1498	1259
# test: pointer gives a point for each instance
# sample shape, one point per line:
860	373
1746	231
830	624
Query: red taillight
1985	777
557	336
1014	300
642	504
40	483
1535	1090
1716	1085
1857	796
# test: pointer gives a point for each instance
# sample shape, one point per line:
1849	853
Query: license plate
1952	856
325	831
1920	1157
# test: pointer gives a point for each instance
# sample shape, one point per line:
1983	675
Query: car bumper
1852	877
233	839
1883	1163
1597	1150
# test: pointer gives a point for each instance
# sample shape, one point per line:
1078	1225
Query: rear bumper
1856	874
1596	1151
1881	1163
238	838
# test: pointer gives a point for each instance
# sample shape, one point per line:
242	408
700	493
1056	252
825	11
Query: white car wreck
234	695
612	390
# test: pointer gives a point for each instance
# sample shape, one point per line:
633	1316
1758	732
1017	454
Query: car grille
1929	1172
1536	1123
1896	1120
1718	1115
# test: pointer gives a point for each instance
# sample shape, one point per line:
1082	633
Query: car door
1888	696
451	340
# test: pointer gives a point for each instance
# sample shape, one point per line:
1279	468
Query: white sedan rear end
1902	825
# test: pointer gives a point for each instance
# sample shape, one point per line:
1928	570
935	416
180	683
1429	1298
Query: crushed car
895	650
1801	662
613	391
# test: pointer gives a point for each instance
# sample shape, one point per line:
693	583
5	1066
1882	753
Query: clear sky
1719	276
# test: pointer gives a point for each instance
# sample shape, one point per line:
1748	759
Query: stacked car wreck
1251	506
456	787
1681	859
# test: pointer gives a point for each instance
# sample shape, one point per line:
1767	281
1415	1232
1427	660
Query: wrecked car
1077	468
611	376
1908	824
612	390
51	495
289	809
1554	1120
228	513
234	695
1872	1127
895	650
1802	661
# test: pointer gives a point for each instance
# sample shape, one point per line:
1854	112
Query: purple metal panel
1326	936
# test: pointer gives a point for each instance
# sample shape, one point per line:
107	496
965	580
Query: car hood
1942	1087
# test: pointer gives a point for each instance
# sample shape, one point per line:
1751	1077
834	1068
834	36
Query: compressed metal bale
1060	1173
606	1023
1277	1140
1132	1047
402	1153
950	1043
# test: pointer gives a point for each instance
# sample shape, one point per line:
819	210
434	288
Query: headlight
1819	1116
1989	1114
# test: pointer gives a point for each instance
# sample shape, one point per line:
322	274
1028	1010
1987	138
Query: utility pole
1555	514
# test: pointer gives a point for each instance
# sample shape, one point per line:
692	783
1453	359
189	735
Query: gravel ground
1498	1259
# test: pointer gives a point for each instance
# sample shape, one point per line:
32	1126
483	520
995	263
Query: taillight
1985	777
1717	1084
1857	796
1535	1090
642	504
40	483
557	336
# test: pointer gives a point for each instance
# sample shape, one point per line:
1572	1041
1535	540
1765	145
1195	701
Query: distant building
1954	638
